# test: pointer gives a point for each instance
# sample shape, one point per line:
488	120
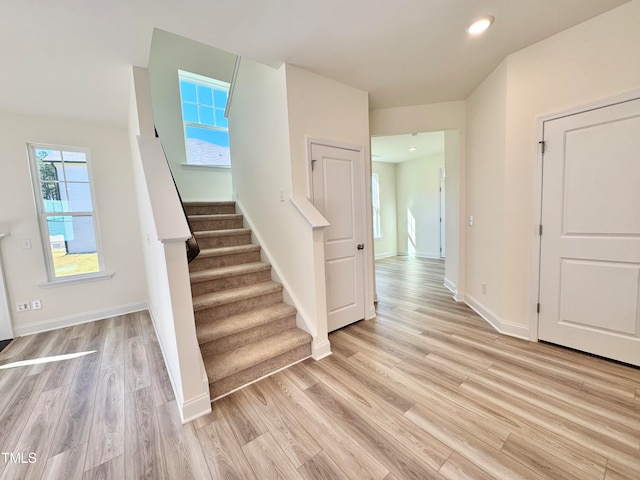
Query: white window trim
52	280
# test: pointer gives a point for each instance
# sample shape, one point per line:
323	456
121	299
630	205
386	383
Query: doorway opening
409	188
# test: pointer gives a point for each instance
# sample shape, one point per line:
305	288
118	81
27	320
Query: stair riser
227	384
209	209
225	241
200	225
205	263
220	311
232	342
226	283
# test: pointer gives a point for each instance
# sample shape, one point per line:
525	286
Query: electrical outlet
22	306
26	243
484	288
36	304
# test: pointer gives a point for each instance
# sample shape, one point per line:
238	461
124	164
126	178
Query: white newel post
6	330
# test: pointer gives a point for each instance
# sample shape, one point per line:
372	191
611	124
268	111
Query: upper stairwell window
206	129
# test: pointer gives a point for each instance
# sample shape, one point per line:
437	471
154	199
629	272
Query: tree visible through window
206	129
65	206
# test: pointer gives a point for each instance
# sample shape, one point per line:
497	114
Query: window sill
204	166
62	282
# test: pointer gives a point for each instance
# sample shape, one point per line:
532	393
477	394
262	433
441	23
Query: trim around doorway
537	199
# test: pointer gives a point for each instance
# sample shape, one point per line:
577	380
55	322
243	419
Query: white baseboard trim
450	286
506	328
177	392
193	408
71	320
302	317
457	296
196	407
321	350
380	256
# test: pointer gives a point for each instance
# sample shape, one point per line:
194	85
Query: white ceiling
71	58
395	148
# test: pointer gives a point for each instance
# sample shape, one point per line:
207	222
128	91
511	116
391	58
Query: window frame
214	84
52	278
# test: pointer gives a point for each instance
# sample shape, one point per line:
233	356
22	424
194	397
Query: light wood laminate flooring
426	390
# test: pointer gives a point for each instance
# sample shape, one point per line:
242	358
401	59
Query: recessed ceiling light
480	25
413	149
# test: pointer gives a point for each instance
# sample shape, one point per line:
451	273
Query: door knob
361	246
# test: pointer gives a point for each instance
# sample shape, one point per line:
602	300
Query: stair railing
193	250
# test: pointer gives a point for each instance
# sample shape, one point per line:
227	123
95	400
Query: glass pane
50	170
188	92
206	115
220	120
208	147
73	245
48	155
75	157
52	198
76	172
205	96
220	98
79	197
190	112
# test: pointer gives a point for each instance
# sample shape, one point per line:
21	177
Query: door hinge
540	230
543	145
538	308
313	164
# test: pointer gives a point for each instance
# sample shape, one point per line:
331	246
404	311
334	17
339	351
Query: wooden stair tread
224	297
229	271
229	363
243	322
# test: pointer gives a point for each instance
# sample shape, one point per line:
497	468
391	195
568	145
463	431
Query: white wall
272	112
170	53
418	194
259	131
387	244
164	231
450	117
486	117
324	109
117	216
454	214
594	60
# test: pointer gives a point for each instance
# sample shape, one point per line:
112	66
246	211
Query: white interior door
338	195
590	244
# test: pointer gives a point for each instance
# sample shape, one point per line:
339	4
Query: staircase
244	328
